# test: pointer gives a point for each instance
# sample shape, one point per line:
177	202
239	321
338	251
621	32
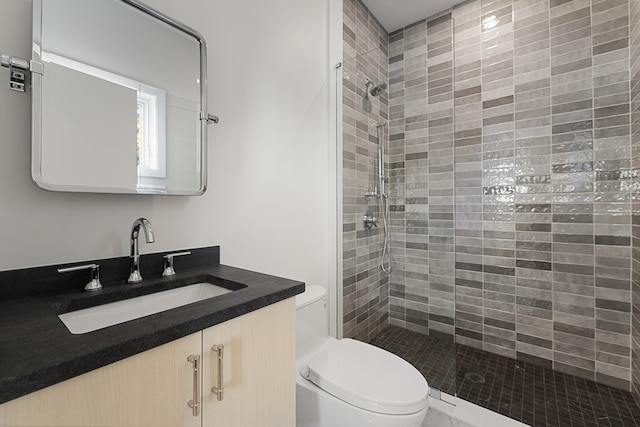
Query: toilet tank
312	322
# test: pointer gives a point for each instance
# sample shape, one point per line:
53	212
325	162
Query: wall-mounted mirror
119	101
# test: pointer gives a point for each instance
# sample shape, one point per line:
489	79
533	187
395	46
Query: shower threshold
465	414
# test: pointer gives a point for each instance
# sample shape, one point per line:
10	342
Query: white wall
268	202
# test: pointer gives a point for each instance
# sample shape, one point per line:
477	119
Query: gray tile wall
512	159
635	164
540	164
422	171
365	289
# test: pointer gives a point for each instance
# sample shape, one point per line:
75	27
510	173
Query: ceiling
396	14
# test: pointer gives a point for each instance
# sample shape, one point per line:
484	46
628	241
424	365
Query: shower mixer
369	220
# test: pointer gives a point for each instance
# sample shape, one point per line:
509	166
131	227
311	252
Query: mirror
119	99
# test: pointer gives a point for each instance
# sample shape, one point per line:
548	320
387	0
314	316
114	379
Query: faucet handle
168	270
94	284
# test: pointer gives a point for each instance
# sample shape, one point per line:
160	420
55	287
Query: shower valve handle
369	220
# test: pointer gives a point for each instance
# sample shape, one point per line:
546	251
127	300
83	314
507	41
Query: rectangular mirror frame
37	113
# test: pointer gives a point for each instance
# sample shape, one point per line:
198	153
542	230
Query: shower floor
531	394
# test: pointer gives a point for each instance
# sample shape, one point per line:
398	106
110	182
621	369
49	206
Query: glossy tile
518	141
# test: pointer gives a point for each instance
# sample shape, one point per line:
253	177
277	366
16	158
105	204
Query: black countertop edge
38	351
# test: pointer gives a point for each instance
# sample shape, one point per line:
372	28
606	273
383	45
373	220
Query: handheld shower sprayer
385	258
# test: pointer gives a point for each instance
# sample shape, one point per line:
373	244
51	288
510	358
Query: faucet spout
134	275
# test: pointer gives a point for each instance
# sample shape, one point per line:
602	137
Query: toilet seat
368	377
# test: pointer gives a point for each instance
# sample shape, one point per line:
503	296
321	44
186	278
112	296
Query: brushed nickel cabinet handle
219	390
195	403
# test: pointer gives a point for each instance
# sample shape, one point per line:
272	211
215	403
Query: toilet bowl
347	382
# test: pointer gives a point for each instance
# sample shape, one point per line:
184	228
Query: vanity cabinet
153	388
258	369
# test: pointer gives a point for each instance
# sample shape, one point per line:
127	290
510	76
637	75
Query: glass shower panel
409	311
424	112
364	116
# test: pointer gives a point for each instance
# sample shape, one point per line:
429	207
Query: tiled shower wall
524	144
635	156
421	138
365	288
510	177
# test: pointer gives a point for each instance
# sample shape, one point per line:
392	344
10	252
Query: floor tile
528	393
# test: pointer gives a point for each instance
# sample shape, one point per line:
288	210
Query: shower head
376	89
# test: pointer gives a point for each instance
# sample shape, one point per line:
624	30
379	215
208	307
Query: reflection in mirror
120	105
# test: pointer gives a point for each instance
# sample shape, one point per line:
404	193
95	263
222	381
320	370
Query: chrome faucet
135	276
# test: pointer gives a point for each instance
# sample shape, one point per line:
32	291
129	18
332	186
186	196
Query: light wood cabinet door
258	369
149	389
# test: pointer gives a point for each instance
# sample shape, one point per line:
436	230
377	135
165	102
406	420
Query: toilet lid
369	378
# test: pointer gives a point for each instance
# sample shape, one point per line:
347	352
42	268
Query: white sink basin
94	318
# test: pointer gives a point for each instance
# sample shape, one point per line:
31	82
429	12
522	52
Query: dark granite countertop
37	350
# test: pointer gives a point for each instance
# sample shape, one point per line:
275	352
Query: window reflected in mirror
111	113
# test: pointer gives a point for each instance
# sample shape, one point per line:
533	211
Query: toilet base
317	408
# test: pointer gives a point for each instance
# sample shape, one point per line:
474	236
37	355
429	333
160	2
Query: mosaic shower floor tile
525	392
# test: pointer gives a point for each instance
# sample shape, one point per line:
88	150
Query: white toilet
348	383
